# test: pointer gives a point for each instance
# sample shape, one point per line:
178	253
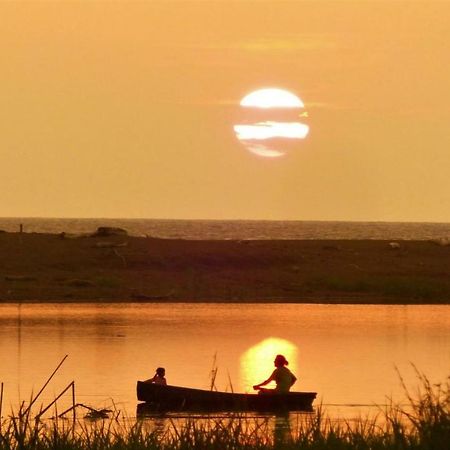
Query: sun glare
272	98
257	361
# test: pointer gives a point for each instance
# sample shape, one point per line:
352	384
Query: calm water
237	229
346	353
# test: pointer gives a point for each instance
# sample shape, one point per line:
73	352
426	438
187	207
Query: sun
271	98
270	123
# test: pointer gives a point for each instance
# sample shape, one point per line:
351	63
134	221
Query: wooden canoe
175	398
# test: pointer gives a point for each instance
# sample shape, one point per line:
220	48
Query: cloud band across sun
270	130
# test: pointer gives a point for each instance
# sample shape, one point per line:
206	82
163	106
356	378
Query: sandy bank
42	267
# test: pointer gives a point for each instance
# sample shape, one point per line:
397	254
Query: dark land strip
47	268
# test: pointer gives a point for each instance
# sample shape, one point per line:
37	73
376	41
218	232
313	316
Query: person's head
160	371
280	361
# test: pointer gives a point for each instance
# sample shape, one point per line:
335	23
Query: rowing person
282	376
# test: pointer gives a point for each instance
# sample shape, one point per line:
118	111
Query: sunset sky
127	109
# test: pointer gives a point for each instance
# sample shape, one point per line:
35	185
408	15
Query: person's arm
271	378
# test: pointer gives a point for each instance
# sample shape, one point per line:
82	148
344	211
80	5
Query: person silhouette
282	376
159	377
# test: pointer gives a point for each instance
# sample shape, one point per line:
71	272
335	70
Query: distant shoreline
237	229
38	268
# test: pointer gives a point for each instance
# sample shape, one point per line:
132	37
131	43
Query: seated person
159	377
282	376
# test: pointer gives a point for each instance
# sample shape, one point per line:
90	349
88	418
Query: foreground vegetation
423	424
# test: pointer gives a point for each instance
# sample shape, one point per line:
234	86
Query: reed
424	424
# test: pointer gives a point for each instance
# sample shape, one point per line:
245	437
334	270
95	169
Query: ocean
237	229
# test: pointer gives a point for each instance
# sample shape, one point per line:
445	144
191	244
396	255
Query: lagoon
349	354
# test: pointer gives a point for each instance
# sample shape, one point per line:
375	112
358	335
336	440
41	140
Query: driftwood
110	244
109	231
443	242
65	235
80	283
92	414
19	278
138	296
100	232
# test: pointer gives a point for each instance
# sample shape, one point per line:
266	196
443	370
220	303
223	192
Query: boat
175	398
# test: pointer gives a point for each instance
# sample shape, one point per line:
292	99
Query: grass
424	424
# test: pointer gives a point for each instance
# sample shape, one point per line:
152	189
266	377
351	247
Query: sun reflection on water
257	362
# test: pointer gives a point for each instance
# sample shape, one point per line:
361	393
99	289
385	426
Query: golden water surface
348	354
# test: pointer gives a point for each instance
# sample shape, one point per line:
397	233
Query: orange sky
126	109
